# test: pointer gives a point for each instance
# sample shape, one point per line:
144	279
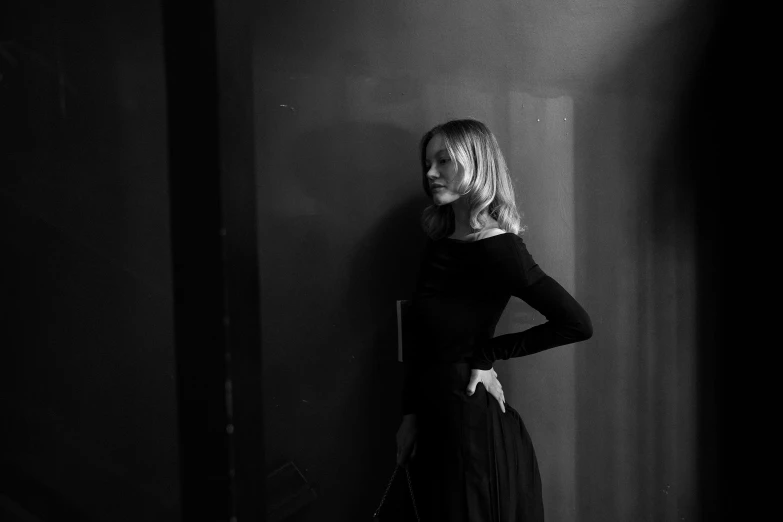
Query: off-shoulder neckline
463	241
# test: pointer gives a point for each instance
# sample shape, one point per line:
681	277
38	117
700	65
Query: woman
471	457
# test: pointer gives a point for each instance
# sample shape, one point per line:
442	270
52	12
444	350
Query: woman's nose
432	173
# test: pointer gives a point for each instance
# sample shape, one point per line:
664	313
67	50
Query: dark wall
87	370
584	98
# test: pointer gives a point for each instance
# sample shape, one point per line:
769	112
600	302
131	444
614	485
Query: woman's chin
441	200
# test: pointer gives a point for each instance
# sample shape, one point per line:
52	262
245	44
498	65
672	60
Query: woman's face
443	174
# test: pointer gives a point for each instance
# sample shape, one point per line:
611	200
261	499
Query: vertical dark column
215	257
705	133
235	22
200	312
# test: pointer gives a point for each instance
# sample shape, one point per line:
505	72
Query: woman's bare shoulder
494	232
490	232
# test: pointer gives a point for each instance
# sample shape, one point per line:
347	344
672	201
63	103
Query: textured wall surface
583	97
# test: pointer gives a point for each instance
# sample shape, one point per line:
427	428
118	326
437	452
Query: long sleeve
567	322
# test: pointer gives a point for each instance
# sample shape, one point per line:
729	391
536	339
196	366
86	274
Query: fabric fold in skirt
473	463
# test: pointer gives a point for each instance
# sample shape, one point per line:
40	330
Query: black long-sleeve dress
474	462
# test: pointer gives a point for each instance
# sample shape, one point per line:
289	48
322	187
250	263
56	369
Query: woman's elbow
577	327
585	328
582	328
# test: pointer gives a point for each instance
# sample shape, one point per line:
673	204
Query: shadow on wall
343	244
384	269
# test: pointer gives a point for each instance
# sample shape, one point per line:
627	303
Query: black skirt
473	463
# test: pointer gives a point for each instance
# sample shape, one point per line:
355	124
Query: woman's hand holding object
406	439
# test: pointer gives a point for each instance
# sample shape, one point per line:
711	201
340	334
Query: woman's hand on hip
406	439
489	378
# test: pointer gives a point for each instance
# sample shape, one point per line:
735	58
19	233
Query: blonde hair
485	180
